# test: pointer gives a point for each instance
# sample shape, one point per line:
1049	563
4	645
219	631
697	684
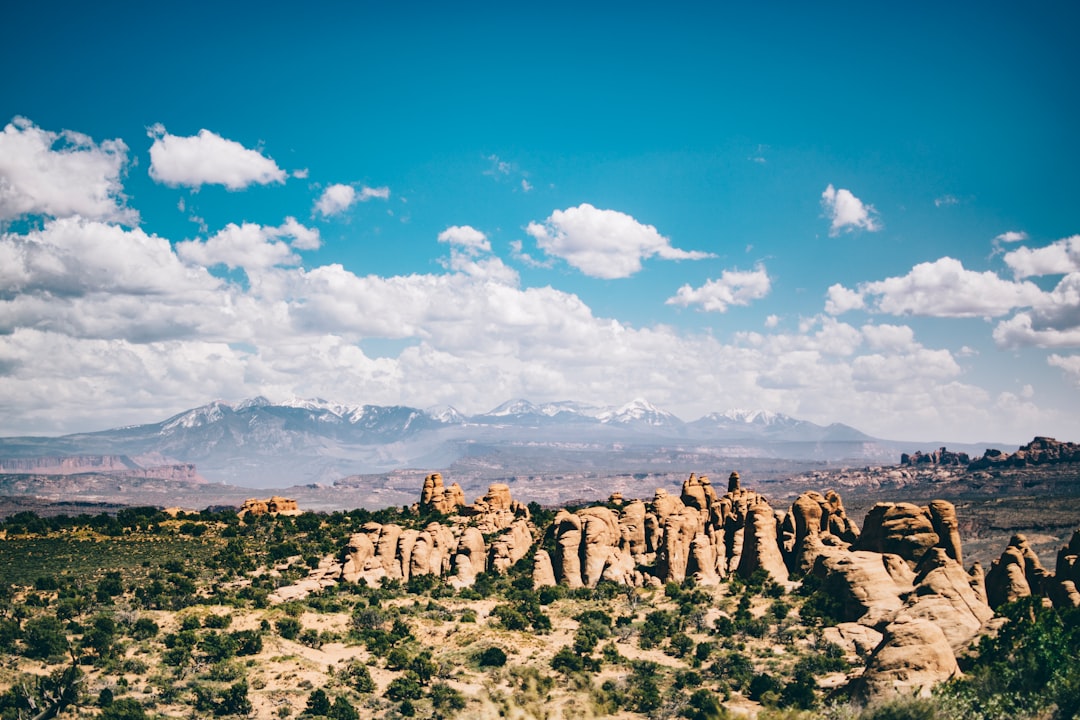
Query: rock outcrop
1016	574
275	505
940	456
436	497
901	529
1040	451
914	655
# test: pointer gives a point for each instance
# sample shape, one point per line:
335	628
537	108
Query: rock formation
273	505
938	457
913	656
760	548
1040	451
901	529
1016	574
435	497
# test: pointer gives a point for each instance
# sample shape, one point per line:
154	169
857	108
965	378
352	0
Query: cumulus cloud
70	257
466	237
889	337
1052	322
208	159
1058	258
61	174
603	243
338	198
1069	363
733	288
944	288
250	246
101	326
946	201
840	300
847	212
335	199
469	254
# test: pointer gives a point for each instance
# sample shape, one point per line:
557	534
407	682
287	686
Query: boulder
901	529
868	585
853	638
543	572
944	596
913	656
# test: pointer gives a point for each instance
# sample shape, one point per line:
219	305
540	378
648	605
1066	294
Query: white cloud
603	243
101	326
467	237
208	159
61	174
1011	236
367	193
72	256
525	186
946	201
1069	363
733	288
943	288
338	198
335	199
846	212
250	246
1052	322
1058	258
889	337
840	300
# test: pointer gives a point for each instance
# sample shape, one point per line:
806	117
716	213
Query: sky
840	212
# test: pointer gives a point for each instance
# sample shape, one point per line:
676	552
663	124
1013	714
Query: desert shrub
123	709
680	644
491	657
44	638
248	642
703	705
342	709
317	703
902	708
1029	668
404	687
445	699
288	627
358	677
144	628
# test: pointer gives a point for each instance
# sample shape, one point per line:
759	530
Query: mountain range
260	443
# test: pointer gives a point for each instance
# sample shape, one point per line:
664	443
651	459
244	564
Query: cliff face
67	465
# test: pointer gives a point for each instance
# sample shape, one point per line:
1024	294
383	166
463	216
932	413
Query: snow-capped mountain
639	412
299	440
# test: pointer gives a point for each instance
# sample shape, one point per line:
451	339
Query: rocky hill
902	599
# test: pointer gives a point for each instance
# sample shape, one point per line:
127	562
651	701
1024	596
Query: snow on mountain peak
638	411
514	407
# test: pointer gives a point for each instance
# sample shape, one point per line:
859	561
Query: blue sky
839	212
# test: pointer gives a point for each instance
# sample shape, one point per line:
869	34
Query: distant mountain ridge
301	440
